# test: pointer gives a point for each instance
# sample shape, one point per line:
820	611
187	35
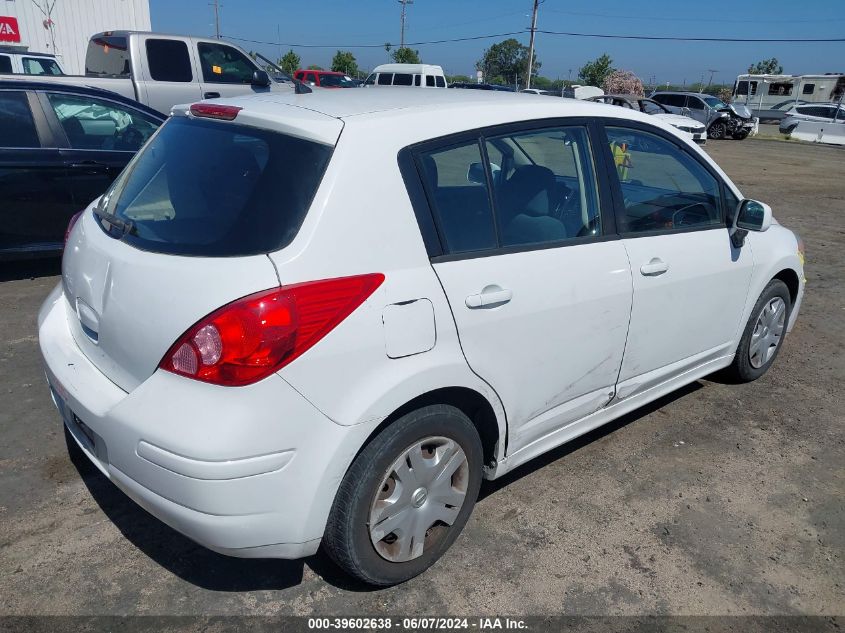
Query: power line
342	46
696	19
694	39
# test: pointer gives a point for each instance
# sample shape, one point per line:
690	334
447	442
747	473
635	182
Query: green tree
345	62
290	62
506	62
595	72
315	67
766	67
405	55
462	79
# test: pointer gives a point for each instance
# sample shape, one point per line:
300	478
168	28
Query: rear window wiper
114	223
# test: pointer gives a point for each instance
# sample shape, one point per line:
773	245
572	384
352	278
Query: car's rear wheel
741	135
764	333
406	497
717	131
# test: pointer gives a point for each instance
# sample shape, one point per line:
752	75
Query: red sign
9	31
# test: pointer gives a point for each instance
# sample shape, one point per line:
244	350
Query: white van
420	75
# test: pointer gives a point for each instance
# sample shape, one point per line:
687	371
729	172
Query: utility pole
404	3
712	72
216	5
531	45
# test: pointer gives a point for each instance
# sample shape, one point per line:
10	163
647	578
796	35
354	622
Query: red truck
325	78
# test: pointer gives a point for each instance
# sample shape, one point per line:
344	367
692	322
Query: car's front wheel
764	333
406	497
717	131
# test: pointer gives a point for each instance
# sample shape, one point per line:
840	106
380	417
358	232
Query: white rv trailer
769	96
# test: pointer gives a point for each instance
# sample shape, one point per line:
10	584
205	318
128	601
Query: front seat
526	202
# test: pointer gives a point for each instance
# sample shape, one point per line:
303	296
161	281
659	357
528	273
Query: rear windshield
216	189
107	56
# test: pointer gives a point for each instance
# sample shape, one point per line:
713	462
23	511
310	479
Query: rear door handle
489	297
654	268
210	95
90	166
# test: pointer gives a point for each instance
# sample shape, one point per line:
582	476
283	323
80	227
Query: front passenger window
224	65
663	186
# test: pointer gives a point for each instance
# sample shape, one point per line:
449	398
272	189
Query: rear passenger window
5	64
402	79
168	60
663	186
416	80
384	79
545	186
17	129
457	189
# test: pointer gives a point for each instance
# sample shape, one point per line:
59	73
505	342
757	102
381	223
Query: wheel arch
473	404
789	277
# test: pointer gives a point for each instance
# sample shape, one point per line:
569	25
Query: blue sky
343	23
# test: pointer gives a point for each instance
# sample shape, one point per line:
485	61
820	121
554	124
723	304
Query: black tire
717	131
347	536
740	136
741	370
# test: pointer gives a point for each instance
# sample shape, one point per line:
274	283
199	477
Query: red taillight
251	338
215	111
71	224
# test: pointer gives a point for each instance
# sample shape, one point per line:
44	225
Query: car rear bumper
245	471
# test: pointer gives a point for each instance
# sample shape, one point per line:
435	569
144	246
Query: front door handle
654	268
489	297
210	95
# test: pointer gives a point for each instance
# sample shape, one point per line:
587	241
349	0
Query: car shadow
209	570
30	268
489	488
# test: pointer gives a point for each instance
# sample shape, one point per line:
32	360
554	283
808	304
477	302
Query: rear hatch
185	230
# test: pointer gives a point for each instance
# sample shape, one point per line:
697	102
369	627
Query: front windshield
715	103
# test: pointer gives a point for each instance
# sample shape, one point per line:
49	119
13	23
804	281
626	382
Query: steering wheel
130	138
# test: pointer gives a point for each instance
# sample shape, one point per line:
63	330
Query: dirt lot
721	499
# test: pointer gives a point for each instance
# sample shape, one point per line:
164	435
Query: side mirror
750	215
260	79
475	173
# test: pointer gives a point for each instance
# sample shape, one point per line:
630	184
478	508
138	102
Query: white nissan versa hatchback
324	318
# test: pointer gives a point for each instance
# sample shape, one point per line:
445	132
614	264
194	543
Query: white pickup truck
161	71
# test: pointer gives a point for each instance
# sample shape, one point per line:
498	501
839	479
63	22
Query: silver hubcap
768	332
419	497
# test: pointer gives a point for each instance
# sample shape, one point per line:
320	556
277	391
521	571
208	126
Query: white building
62	27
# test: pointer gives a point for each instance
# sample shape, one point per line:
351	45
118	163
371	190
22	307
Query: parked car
468	85
60	148
510	288
325	78
15	62
419	75
161	71
695	130
821	112
722	120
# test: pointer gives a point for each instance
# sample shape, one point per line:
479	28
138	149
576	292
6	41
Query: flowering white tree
623	82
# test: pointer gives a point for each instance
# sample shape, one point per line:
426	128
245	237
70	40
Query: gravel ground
720	499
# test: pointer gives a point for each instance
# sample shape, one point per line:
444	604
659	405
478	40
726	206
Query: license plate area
90	441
